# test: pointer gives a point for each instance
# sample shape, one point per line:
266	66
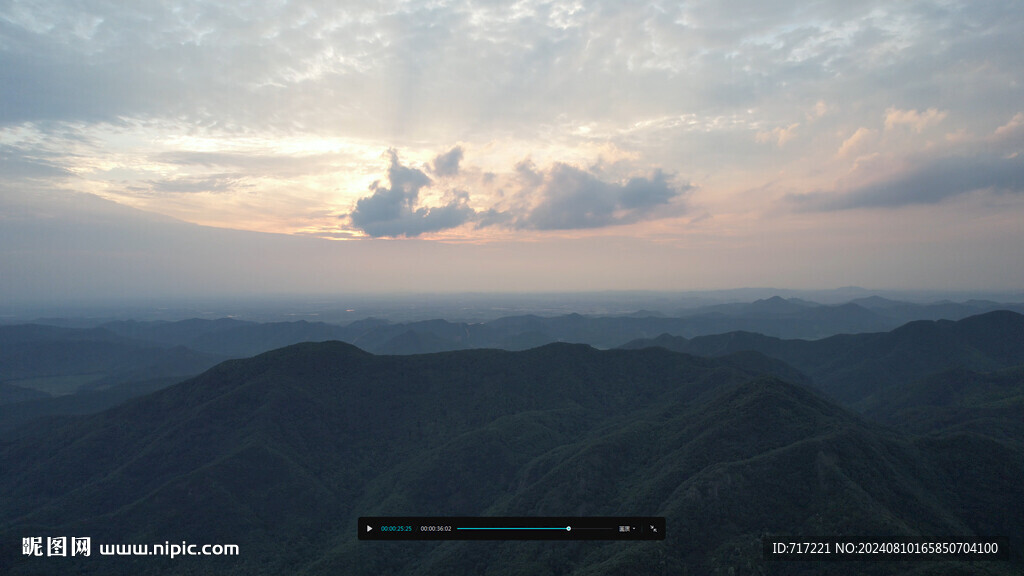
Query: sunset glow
727	137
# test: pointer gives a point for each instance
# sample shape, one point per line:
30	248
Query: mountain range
863	370
109	362
775	316
282	452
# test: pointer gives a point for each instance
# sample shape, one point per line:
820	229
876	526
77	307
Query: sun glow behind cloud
687	125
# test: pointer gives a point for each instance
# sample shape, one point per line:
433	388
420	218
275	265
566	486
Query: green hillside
282	452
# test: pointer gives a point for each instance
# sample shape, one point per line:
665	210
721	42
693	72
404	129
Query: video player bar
511	528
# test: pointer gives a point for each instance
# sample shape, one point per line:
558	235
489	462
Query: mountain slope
959	400
9	394
64	360
282	452
856	368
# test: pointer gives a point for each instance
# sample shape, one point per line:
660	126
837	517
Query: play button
369	528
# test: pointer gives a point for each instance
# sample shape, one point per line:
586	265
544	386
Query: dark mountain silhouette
147	355
9	393
397	339
105	367
251	339
41	411
414	342
281	453
644	314
33	333
173	333
856	368
903	312
62	360
775	316
878	303
784	318
773	306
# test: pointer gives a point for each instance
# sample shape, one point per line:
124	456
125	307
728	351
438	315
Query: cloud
447	164
913	119
819	110
40	82
930	183
561	197
249	163
195	184
1012	128
414	69
571	198
778	135
16	163
856	142
392	210
528	173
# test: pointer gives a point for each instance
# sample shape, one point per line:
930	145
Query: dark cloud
447	164
493	217
562	197
929	184
16	164
572	198
529	174
392	211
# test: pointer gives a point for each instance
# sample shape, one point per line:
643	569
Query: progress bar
511	528
566	528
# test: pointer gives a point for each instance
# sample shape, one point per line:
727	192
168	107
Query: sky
300	146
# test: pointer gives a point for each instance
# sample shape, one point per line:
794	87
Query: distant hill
774	316
44	368
63	360
173	333
413	342
860	370
44	410
281	453
9	393
903	312
122	354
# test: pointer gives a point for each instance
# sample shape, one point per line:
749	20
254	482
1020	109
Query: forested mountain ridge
281	453
861	369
